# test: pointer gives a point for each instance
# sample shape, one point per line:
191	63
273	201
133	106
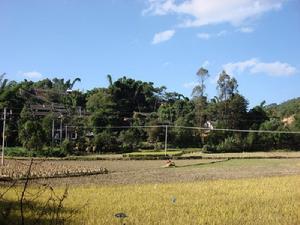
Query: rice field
274	200
207	191
18	169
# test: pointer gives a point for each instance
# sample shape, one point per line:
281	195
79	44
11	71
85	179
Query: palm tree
69	85
62	86
109	78
3	82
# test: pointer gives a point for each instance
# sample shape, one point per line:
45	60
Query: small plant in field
121	217
173	199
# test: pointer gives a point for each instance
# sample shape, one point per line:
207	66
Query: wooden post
61	130
3	136
166	140
66	134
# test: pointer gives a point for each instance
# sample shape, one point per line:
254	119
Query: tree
199	98
133	96
296	124
129	139
236	115
62	86
185	137
59	90
13	101
154	132
32	135
170	111
3	81
103	109
198	90
256	116
109	78
47	122
106	142
227	86
75	99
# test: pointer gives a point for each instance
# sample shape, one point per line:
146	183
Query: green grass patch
23	152
16	151
153	154
237	163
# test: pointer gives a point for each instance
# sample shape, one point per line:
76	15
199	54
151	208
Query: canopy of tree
49	113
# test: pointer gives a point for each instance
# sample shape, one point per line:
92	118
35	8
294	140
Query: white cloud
195	13
246	29
166	64
204	36
214	79
222	33
163	36
190	85
205	64
255	66
207	36
32	75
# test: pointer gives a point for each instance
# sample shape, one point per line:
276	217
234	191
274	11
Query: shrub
129	140
106	142
230	144
67	146
32	135
51	152
209	148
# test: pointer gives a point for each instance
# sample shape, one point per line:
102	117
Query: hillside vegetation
287	108
49	117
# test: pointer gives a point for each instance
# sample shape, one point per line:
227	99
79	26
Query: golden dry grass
195	192
256	201
252	201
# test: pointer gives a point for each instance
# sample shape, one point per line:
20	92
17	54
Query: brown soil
153	171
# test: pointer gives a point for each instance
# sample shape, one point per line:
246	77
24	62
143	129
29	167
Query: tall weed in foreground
24	202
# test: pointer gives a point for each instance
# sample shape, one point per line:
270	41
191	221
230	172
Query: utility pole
61	129
3	136
53	125
52	132
66	134
166	140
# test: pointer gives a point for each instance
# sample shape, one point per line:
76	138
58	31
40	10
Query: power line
258	119
192	128
118	127
239	130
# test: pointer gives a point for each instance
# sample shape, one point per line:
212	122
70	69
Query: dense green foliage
286	109
131	114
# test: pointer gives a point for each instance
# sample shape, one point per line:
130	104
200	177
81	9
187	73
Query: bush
16	151
230	144
32	135
46	152
67	146
51	152
209	149
147	146
129	140
106	142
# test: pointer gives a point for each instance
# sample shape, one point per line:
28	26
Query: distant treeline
49	114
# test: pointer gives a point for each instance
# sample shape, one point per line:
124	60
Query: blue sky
164	41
